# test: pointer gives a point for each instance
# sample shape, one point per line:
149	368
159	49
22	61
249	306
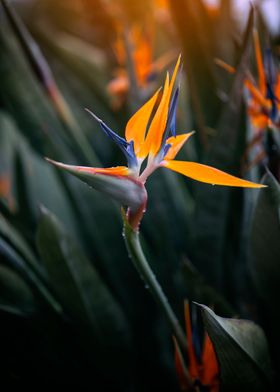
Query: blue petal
269	68
130	154
127	148
171	120
173	111
166	149
170	125
270	84
152	76
197	334
162	153
270	95
112	135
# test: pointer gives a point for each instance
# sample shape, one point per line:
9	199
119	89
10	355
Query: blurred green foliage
73	310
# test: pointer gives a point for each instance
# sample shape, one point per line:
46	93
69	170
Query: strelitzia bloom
263	108
263	101
202	369
141	46
150	139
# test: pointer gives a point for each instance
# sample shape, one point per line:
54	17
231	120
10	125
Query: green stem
139	260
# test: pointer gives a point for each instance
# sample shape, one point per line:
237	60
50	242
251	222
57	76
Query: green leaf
36	178
41	68
15	292
78	285
7	152
18	242
11	310
242	352
82	84
30	176
170	204
217	207
198	290
15	260
265	242
265	256
83	211
199	51
23	96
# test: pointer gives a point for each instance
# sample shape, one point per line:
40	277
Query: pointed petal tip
189	134
136	126
55	163
208	174
176	143
63	166
222	64
93	115
49	160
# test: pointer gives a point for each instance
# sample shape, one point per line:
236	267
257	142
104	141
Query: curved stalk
139	260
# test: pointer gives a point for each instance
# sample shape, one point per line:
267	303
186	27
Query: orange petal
159	119
119	48
142	55
112	171
174	75
162	4
137	125
176	144
192	365
277	88
257	95
213	10
209	364
229	68
157	127
181	369
257	118
5	185
6	190
208	174
261	73
118	86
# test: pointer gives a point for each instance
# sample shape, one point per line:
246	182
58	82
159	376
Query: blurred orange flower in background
134	51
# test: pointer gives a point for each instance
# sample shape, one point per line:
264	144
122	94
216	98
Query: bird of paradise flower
152	140
264	94
149	137
263	103
200	372
137	68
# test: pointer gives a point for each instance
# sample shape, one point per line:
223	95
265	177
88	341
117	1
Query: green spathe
125	190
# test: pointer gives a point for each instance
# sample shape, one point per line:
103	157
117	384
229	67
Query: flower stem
139	260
